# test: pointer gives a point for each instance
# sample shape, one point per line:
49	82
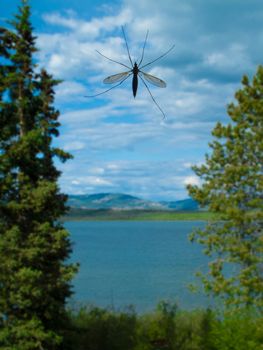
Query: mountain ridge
122	201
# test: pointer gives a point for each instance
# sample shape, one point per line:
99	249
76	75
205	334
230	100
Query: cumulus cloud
159	180
69	91
90	181
90	28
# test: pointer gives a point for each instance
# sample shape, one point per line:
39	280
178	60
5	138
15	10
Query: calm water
139	263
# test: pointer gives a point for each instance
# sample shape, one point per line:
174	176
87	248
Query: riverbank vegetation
166	328
136	215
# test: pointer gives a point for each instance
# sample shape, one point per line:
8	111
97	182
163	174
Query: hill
182	205
120	201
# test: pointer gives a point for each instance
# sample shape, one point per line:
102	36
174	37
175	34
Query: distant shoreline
137	215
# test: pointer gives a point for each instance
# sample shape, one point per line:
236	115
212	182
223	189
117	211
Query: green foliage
34	276
169	329
166	328
232	187
96	329
238	332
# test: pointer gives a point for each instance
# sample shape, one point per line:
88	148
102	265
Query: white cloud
69	91
157	180
97	171
98	181
74	146
233	57
93	27
192	180
91	180
75	182
57	19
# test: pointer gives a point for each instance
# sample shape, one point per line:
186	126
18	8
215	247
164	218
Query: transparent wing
115	78
153	80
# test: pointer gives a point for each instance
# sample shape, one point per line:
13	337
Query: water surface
139	263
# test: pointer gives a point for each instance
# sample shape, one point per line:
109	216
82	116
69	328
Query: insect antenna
113	87
126	43
143	48
160	109
110	59
166	53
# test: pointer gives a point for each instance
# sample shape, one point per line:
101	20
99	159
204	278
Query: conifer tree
232	185
34	246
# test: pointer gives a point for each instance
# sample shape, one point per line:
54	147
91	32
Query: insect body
136	71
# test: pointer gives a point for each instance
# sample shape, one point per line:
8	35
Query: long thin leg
143	48
166	53
113	87
110	59
160	109
126	45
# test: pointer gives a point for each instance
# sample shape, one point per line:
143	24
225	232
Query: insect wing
153	80
115	78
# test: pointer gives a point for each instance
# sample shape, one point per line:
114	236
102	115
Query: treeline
168	328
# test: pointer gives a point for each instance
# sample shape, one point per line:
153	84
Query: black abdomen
134	84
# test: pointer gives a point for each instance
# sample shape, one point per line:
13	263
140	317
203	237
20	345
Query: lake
138	263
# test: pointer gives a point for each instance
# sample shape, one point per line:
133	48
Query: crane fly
136	71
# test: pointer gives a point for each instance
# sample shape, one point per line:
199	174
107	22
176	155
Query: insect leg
110	59
113	87
126	45
143	48
166	53
160	109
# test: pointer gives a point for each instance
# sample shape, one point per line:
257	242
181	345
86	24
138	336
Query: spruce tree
34	246
232	186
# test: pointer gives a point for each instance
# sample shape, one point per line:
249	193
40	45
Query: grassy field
136	215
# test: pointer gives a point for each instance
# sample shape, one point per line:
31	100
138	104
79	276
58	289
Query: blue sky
121	144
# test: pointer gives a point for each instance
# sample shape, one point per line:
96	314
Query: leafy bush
241	331
93	328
